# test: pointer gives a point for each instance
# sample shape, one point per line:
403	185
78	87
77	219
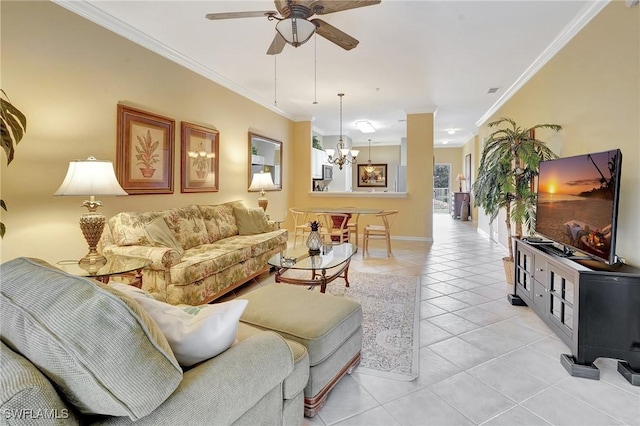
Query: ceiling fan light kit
295	31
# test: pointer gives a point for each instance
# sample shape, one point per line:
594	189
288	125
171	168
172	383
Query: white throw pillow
195	333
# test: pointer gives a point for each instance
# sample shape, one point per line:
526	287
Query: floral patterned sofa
208	253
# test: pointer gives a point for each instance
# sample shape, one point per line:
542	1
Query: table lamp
262	181
460	178
91	177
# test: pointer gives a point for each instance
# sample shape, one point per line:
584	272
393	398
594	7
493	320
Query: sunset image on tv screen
576	201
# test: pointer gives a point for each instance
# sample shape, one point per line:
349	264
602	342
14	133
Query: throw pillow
251	221
99	348
159	235
195	333
24	388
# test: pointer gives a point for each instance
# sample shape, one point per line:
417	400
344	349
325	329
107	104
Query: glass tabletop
331	255
115	265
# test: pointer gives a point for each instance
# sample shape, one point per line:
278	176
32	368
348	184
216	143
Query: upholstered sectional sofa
207	251
75	351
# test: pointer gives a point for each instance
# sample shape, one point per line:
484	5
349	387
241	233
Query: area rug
390	324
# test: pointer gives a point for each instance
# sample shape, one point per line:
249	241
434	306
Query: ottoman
329	327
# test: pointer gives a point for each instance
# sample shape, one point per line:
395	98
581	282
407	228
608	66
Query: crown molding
105	20
574	27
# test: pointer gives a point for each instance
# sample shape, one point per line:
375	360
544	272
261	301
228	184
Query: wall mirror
265	155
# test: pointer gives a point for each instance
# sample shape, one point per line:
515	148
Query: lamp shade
90	177
261	181
460	177
295	31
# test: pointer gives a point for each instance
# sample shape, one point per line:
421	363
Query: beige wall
67	75
592	88
472	146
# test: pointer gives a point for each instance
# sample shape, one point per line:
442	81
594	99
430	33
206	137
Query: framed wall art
374	175
144	162
199	158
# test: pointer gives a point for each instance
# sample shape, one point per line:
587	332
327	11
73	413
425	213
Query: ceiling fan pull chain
315	69
275	80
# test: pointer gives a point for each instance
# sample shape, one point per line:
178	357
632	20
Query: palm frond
13	126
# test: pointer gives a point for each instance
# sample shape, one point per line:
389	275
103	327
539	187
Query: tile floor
482	361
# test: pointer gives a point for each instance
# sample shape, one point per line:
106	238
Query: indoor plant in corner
508	164
13	125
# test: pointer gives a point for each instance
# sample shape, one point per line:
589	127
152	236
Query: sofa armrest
223	388
274	225
162	258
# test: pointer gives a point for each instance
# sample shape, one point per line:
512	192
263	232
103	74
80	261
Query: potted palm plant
13	125
508	164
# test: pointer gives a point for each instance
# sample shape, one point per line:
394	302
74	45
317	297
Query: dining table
337	220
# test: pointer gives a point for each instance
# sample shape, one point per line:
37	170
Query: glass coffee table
116	265
332	262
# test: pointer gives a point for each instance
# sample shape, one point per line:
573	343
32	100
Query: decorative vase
314	241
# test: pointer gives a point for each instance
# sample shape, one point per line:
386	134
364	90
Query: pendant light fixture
344	155
369	167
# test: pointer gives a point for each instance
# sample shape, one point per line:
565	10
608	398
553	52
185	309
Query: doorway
441	187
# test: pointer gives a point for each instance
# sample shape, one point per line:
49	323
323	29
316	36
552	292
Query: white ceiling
413	56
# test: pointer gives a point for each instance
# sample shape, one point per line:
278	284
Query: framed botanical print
144	162
199	158
374	175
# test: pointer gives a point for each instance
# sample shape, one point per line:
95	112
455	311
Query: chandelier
369	167
344	155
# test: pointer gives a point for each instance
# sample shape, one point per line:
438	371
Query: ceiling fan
293	25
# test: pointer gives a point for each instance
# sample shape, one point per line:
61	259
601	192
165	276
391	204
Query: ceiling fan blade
334	35
277	45
283	7
233	15
321	7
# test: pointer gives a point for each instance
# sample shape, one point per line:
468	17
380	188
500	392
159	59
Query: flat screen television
577	203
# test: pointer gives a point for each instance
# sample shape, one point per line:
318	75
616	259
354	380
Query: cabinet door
562	290
524	269
539	297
